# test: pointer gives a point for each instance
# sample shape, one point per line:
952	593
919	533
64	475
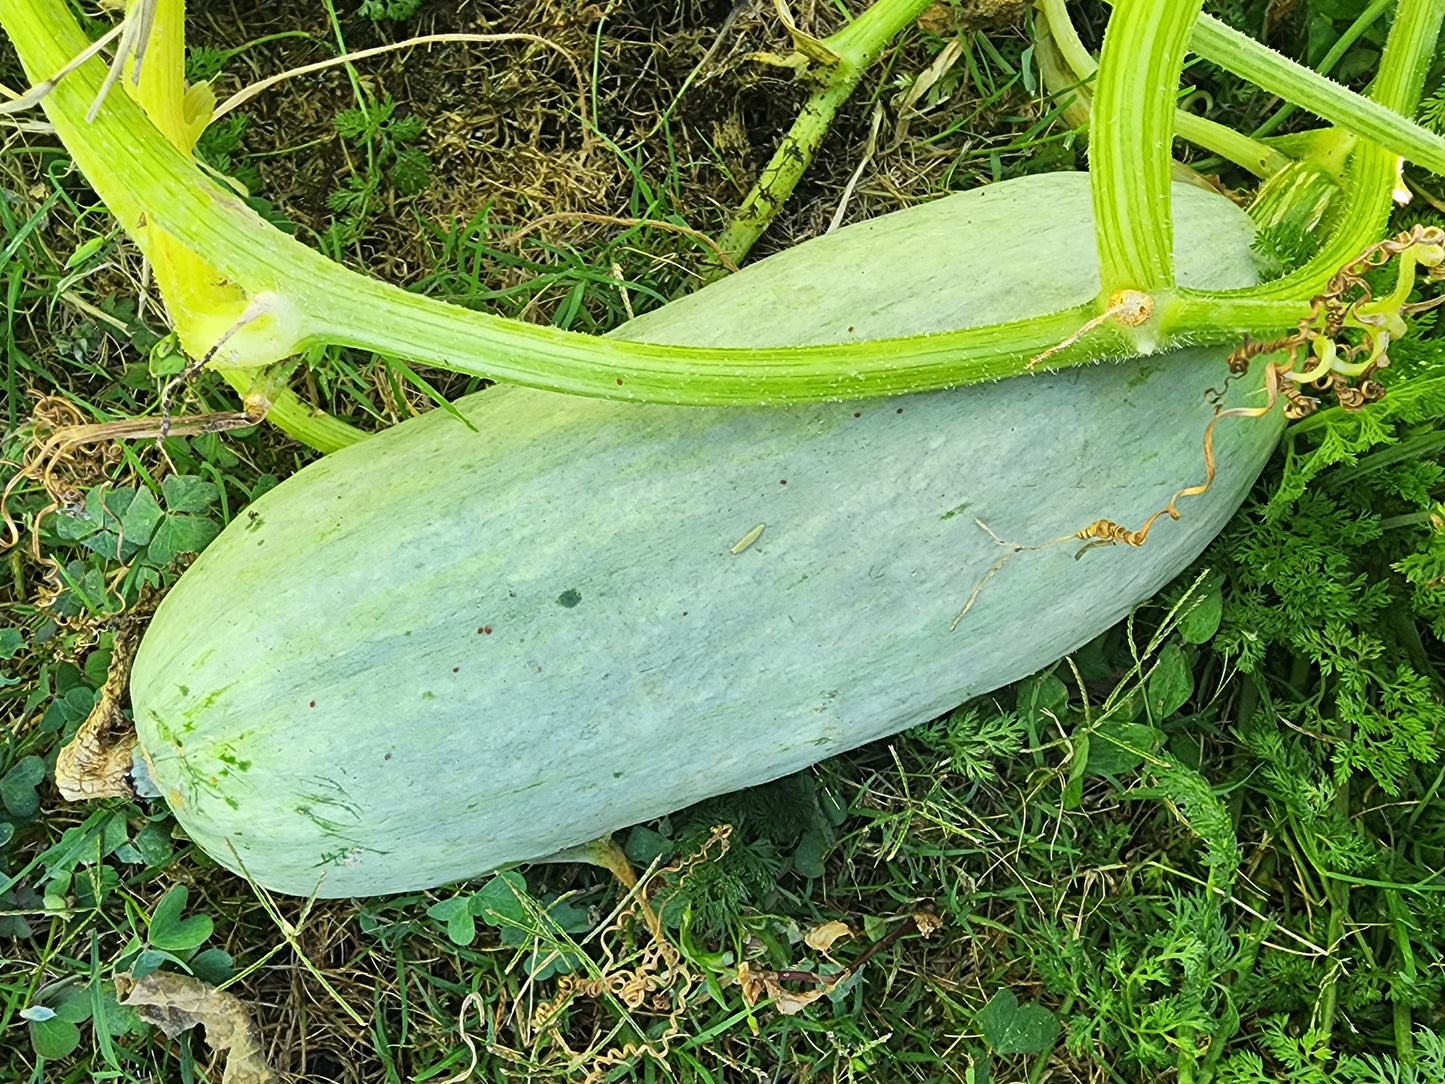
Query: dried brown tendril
1345	302
653	979
67	455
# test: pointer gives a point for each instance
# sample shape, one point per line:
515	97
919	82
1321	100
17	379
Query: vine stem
297	419
1370	175
274	297
1130	140
853	49
1352	34
160	90
1373	118
1242	55
1247	153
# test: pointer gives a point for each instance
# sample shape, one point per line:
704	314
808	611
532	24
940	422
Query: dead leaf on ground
936	19
945	19
177	1003
821	938
927	923
96	762
750	983
790	1003
757	983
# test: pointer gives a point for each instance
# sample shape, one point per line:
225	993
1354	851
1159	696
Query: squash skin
440	651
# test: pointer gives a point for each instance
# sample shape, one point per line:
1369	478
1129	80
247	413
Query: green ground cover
1207	847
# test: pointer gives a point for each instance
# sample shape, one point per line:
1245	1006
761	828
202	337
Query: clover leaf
169	931
17	787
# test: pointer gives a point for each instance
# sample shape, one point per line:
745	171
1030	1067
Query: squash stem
1242	55
1370	117
1352	34
1060	78
161	92
1130	142
607	854
295	298
1369	177
1307	88
1054	24
296	418
603	852
786	168
855	47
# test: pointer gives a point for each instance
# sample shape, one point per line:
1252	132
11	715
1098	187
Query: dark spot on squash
1143	375
850	329
313	703
184	690
387	757
485	630
616	775
254	521
619	380
900	410
456	669
857	415
782	481
569	598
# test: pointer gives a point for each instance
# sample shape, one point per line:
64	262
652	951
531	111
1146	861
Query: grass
1208	846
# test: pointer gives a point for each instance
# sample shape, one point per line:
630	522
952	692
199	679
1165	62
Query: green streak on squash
442	651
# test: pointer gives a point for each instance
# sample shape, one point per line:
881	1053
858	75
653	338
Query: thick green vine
265	297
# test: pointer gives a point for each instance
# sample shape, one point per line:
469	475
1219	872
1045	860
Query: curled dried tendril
653	979
1344	368
66	455
1348	305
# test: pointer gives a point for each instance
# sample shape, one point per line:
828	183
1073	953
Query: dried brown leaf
821	938
790	1003
177	1003
96	762
927	923
936	19
757	983
750	983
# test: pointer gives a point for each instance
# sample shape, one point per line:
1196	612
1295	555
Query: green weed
1208	847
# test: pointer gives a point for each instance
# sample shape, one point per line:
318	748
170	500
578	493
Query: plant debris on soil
969	901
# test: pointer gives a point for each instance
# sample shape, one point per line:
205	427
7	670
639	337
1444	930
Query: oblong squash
440	651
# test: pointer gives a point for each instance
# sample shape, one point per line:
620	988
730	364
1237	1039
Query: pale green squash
440	650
